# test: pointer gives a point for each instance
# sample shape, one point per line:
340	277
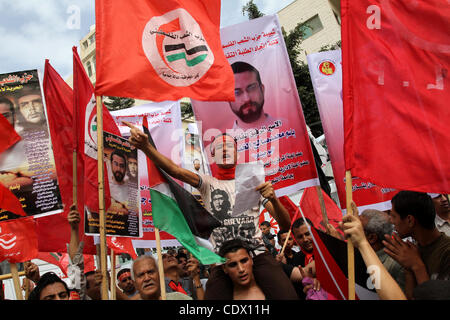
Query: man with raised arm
244	226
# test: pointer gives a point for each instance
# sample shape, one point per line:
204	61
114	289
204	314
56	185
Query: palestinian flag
330	256
177	212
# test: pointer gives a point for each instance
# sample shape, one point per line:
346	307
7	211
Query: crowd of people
408	247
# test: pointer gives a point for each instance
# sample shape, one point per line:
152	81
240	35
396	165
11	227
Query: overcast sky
34	30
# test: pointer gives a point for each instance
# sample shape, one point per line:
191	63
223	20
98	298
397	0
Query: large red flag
395	92
161	50
310	205
54	231
86	131
18	240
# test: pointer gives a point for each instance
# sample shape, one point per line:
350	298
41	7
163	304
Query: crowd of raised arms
407	246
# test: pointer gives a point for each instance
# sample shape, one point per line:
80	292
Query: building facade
320	19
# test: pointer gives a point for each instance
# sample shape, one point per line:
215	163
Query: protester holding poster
266	116
165	125
27	168
123	216
245	226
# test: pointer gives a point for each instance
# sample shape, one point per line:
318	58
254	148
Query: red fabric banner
395	92
121	245
54	231
9	135
311	208
18	240
8	201
86	130
161	50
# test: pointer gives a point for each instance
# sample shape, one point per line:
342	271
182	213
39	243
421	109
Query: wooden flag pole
74	178
16	281
9	275
101	199
113	274
350	248
285	242
322	207
162	283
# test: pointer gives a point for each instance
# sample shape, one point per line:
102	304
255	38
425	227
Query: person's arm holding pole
387	288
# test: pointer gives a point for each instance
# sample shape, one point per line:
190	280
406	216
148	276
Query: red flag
54	231
161	50
290	207
395	92
53	258
86	131
332	279
121	245
9	135
9	202
18	240
310	205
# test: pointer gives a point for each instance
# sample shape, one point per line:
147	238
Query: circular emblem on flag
176	48
327	67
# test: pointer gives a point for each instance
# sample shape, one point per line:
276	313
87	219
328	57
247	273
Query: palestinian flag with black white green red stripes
177	212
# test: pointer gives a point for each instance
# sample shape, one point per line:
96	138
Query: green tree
118	103
293	40
186	111
252	10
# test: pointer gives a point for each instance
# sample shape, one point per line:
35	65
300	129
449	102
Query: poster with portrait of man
123	217
28	168
266	117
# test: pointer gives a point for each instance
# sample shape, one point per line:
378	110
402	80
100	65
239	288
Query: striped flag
330	256
177	212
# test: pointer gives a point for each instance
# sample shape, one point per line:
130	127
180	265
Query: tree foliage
252	10
118	103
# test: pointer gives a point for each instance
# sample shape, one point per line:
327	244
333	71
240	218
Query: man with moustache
249	98
146	277
442	219
304	240
31	109
118	187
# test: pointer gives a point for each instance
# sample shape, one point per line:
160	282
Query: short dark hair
46	280
181	255
301	221
122	272
417	204
265	223
240	66
87	274
232	246
118	153
282	231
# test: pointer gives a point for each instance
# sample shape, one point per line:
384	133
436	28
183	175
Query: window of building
92	39
311	27
95	65
85	44
89	68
